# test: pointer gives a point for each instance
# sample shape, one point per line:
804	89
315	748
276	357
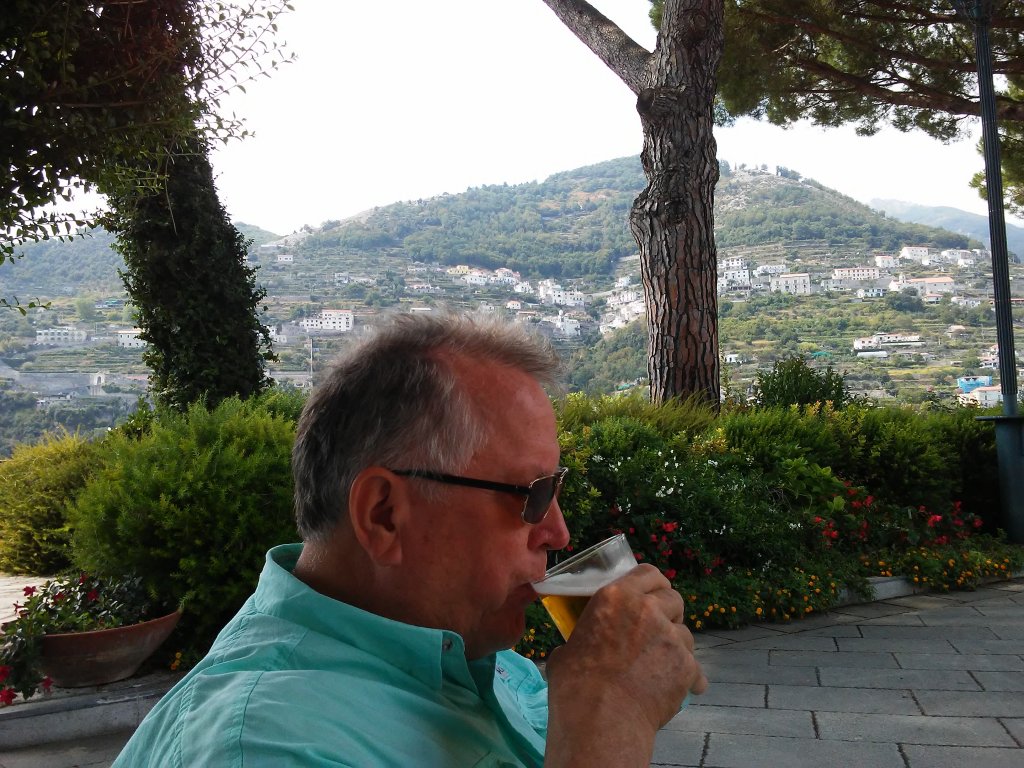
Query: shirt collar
432	656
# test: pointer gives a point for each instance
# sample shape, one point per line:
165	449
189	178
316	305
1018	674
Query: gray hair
394	400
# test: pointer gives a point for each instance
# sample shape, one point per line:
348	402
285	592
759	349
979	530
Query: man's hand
622	674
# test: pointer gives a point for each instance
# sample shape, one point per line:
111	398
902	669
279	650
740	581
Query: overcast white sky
405	99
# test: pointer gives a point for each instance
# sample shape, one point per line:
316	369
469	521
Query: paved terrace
908	681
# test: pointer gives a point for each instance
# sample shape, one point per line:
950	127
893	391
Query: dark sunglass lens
542	491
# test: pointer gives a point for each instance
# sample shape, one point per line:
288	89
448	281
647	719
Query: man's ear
378	503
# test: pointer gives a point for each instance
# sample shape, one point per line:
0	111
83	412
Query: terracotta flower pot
80	659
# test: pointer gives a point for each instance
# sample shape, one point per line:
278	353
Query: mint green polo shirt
300	679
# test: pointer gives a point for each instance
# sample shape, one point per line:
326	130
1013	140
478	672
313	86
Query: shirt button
446	644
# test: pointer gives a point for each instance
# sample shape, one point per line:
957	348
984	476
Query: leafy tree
792	382
672	219
873	63
95	91
196	298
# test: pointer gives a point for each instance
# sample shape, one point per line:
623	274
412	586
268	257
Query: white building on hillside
794	283
855	273
62	334
129	339
330	320
885	261
918	253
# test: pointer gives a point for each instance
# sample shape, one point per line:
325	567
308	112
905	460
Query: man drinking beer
426	483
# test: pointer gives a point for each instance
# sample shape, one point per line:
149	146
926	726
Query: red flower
58	597
7	696
638	555
934	520
47	683
93	595
670	573
29	591
82	578
977	522
855	504
869	500
669	527
5	671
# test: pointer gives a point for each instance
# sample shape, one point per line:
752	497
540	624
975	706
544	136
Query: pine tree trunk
672	219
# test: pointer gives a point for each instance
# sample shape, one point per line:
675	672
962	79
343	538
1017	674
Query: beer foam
581	584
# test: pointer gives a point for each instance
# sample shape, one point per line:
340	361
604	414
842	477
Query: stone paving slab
837	630
1015	726
987	646
920	602
933	679
896	619
834	659
745	633
741	672
870	610
865	700
749	720
895	645
678	749
971	661
914	729
874	631
1001	681
789	642
959	757
1006	632
972	703
732	694
740	751
728	655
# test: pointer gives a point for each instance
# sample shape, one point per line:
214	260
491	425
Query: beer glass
568	586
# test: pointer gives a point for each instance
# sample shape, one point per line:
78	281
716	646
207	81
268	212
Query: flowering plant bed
69	604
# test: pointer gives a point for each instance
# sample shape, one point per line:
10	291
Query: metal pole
1010	426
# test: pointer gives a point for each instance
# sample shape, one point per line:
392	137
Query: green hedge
770	513
191	505
35	486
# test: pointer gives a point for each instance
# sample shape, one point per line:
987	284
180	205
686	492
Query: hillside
572	225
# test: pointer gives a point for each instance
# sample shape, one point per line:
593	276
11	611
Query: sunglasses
539	494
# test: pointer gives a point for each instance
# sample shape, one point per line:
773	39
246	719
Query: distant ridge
955	220
574	224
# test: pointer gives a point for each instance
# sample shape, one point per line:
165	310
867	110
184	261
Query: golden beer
565	610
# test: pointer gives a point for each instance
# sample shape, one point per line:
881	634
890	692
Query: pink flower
47	683
977	522
29	591
670	573
669	527
7	696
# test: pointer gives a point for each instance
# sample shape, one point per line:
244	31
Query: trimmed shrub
36	484
191	506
